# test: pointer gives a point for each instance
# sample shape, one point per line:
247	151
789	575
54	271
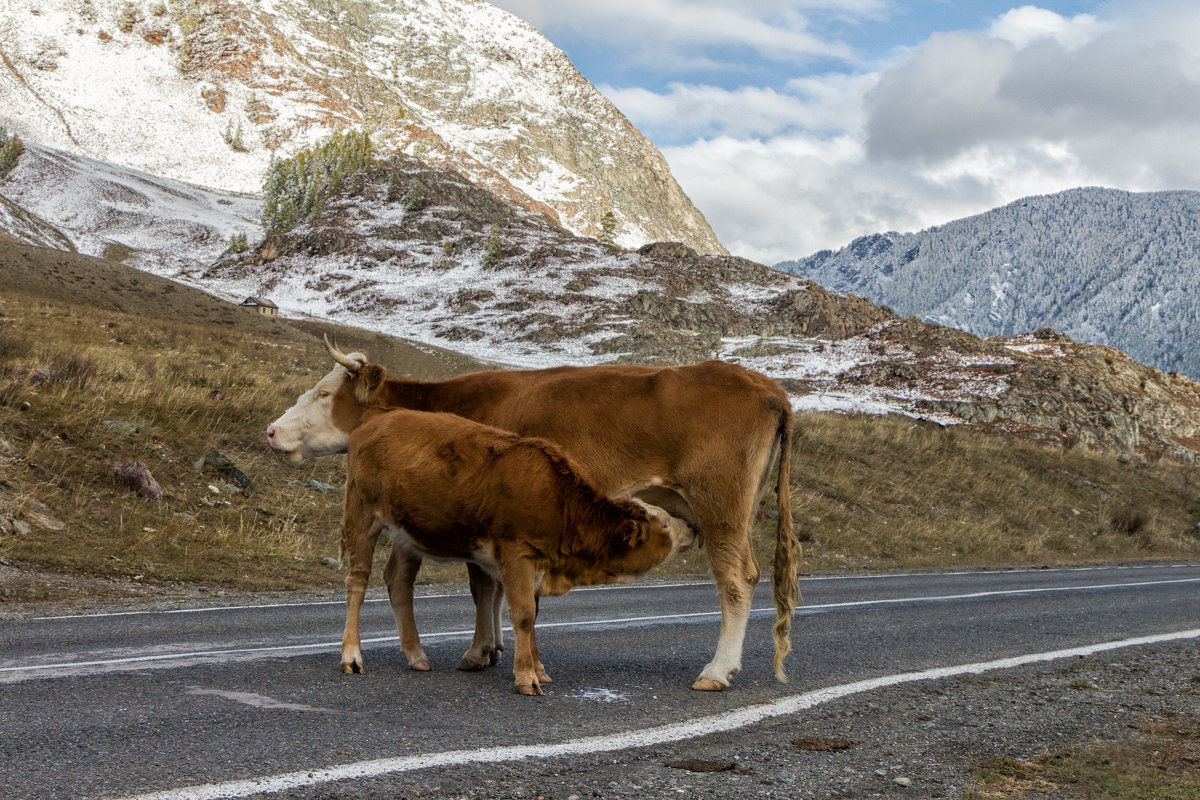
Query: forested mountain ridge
1103	266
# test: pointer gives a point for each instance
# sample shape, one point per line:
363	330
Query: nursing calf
714	436
517	506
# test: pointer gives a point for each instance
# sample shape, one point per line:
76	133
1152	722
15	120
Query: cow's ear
369	379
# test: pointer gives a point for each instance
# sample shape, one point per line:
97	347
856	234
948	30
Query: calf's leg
485	591
400	575
519	579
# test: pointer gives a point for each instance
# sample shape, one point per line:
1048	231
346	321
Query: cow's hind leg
400	575
486	592
361	530
735	573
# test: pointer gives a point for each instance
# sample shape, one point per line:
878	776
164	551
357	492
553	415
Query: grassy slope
196	373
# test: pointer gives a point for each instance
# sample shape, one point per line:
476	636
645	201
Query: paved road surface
128	704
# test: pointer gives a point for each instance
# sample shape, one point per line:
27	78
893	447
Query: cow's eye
322	393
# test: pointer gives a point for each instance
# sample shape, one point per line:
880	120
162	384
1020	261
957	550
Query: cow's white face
309	428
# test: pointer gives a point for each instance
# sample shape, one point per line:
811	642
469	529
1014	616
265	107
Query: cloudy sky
796	125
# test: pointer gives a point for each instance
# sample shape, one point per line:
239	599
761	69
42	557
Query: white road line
266	650
618	588
665	734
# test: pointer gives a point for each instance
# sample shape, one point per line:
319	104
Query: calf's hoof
529	689
708	685
421	665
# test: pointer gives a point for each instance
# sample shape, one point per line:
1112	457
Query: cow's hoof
708	685
529	690
421	665
471	663
544	678
352	667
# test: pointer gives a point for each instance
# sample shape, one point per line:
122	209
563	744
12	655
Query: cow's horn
342	358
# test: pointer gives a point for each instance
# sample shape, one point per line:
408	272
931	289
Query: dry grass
867	491
1163	765
891	492
82	388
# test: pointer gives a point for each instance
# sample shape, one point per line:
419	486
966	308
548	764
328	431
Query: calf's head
321	421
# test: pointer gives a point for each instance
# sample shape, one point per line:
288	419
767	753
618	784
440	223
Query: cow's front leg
519	579
485	591
361	530
400	575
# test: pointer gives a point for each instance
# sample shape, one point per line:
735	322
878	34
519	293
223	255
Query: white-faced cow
713	433
518	506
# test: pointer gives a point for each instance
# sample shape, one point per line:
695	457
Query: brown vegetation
189	374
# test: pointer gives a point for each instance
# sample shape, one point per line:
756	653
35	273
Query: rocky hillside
207	91
420	252
445	262
1104	266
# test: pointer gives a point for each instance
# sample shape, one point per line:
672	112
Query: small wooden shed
261	305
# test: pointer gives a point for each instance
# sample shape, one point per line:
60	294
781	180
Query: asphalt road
130	704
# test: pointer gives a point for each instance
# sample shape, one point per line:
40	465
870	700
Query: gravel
916	740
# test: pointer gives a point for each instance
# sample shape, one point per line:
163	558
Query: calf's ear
370	377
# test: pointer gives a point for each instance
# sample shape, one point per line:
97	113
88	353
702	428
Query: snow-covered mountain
208	91
1104	266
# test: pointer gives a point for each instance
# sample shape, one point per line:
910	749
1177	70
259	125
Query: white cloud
680	31
963	122
1032	102
1024	25
830	103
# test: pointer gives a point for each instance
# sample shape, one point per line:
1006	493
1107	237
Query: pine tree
11	149
297	188
608	229
414	198
493	248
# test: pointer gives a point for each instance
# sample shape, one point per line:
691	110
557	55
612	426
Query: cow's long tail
785	574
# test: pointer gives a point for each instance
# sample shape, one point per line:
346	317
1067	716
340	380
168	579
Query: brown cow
711	432
461	490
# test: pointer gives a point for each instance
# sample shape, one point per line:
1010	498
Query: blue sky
796	125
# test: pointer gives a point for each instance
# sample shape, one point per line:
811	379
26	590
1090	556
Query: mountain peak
209	92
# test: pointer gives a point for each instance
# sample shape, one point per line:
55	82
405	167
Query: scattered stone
700	765
135	476
44	521
818	744
902	781
220	464
22	527
124	427
212	489
321	487
330	561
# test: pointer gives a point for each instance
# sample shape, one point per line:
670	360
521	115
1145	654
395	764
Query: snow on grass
98	204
